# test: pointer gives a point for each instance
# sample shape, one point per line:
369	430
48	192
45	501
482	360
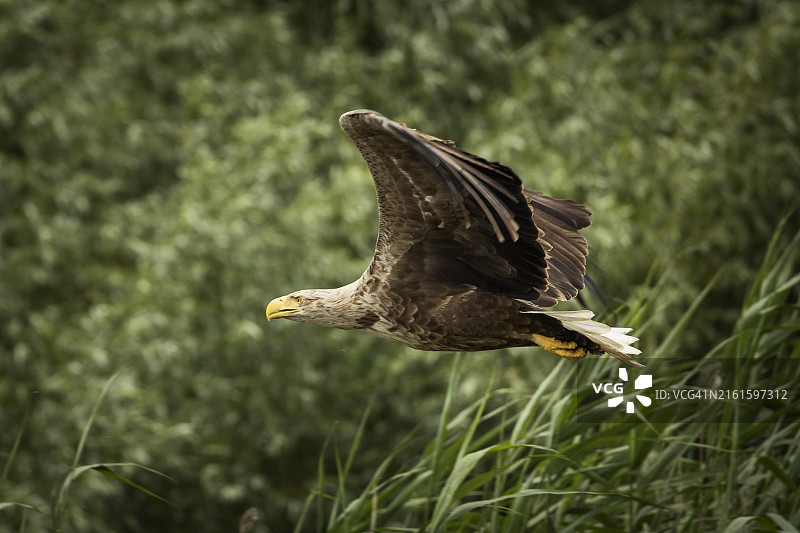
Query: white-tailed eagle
467	259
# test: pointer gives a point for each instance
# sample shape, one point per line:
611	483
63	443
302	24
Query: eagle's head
325	307
300	306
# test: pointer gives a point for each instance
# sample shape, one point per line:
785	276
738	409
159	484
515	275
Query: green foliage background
166	168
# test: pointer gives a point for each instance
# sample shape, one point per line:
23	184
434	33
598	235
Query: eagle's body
466	258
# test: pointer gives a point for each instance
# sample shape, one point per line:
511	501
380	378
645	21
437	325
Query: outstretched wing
446	214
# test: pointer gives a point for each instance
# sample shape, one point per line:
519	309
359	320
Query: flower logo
645	381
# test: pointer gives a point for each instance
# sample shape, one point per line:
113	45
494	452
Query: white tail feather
612	340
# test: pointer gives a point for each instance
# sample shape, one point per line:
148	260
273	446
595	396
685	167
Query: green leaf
770	464
738	524
106	471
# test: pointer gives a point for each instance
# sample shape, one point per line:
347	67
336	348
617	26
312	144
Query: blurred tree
168	167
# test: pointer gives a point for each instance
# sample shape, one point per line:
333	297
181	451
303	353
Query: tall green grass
518	460
60	500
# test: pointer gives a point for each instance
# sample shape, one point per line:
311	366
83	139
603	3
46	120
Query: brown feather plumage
466	257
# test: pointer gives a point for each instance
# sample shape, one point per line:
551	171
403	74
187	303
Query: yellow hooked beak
283	306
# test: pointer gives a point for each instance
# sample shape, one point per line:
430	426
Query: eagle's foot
565	349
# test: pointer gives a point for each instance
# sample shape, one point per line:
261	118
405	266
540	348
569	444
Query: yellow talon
565	349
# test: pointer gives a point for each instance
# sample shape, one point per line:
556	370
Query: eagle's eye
299	299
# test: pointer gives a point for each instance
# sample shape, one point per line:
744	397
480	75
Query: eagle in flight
467	259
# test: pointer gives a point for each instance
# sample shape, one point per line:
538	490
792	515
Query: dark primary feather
566	249
450	215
